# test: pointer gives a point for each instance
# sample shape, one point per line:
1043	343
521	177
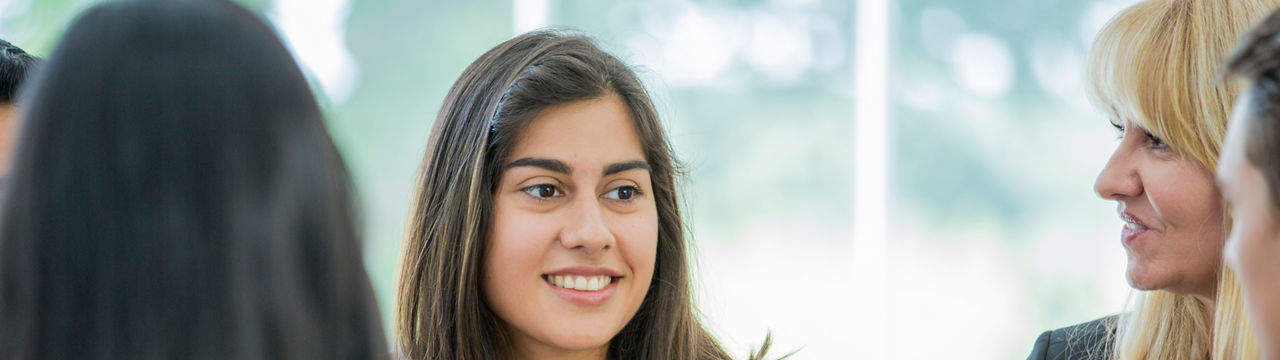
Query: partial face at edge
1253	248
1171	211
8	133
575	204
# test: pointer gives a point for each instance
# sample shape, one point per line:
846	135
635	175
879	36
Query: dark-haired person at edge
1249	179
16	66
176	195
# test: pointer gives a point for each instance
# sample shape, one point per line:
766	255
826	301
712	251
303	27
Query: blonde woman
1154	69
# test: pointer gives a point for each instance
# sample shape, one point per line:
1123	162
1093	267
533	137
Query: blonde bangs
1156	64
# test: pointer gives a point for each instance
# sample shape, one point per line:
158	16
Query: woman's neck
1208	297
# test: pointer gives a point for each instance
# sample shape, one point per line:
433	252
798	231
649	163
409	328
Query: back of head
175	194
1257	59
15	66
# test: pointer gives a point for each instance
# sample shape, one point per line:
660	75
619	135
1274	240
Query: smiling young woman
574	235
546	222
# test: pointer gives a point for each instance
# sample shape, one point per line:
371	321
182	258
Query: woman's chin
1141	278
1142	286
580	344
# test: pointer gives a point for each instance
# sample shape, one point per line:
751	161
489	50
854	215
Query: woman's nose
587	229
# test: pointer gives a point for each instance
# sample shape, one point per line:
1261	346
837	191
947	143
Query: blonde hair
1156	63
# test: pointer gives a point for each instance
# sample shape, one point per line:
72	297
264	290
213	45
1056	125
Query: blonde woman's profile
1154	70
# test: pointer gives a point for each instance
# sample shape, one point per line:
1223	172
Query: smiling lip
584	270
585	298
600	293
1133	228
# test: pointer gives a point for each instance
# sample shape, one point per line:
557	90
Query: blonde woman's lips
1133	228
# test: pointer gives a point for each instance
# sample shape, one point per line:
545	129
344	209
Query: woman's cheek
638	241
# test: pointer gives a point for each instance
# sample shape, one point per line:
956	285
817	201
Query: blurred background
882	179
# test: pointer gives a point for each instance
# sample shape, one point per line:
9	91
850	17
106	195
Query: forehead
594	131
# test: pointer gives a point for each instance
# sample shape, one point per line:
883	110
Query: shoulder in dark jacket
1087	341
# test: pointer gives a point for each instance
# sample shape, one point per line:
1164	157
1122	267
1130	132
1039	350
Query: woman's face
1254	244
8	129
1171	211
575	231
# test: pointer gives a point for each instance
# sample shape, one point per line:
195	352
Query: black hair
15	67
176	195
1257	59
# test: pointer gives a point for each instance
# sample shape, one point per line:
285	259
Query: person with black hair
15	66
176	195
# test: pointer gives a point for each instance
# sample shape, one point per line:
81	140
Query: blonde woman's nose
1119	179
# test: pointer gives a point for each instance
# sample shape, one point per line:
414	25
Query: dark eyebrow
549	164
624	166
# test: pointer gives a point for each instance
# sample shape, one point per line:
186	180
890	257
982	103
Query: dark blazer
1087	341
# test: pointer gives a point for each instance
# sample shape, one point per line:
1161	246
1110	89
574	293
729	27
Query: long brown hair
441	313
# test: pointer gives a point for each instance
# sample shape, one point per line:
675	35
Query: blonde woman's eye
1156	143
543	191
623	193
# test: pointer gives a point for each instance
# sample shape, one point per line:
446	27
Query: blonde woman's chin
1150	277
1147	277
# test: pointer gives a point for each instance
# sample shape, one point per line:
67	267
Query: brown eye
543	191
622	193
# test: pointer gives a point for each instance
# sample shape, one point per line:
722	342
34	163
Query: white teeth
1133	226
580	283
